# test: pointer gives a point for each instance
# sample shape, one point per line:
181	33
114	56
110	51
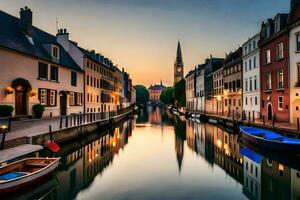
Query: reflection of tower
179	150
178	66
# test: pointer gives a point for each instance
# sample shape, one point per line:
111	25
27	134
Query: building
178	65
155	91
233	84
218	91
294	61
211	65
274	69
200	96
190	90
36	68
251	78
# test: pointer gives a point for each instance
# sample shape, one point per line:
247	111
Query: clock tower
178	66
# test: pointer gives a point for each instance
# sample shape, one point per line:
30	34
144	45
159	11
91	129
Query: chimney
62	37
25	22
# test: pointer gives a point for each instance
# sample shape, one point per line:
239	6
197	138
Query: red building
274	70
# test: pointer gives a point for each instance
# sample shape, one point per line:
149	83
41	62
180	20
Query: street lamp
3	130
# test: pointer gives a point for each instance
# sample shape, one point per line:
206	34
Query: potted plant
38	110
6	110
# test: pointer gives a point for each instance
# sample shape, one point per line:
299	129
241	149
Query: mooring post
298	125
67	121
50	132
253	117
249	117
60	122
273	121
9	124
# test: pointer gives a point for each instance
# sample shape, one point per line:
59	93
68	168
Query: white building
190	90
294	45
200	98
251	78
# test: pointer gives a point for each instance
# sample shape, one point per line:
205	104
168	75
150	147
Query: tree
179	93
142	94
167	96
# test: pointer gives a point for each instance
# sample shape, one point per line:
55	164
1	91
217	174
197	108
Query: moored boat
270	140
21	173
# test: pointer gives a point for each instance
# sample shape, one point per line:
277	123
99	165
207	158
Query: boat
21	173
270	140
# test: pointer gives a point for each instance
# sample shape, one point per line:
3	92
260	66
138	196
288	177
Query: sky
142	35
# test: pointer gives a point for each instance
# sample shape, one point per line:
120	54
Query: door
21	102
63	104
270	114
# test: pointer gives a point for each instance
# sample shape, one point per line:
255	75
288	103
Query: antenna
56	24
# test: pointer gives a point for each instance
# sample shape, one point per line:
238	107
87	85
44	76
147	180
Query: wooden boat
270	140
21	173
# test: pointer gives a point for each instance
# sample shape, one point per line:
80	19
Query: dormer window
55	52
277	25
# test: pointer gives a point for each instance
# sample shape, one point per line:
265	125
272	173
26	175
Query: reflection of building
155	116
252	174
295	184
179	148
227	153
275	180
80	167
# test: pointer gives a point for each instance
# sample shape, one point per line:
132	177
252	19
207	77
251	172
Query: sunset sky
141	35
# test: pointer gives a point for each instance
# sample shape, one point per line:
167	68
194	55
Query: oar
51	144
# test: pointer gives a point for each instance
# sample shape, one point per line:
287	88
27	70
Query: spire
179	54
161	82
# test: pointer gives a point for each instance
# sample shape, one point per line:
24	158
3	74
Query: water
159	156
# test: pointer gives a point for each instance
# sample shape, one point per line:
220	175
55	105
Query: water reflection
166	157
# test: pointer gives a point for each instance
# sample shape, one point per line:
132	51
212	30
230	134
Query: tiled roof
156	87
11	37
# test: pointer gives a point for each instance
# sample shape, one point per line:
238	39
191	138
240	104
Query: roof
156	87
11	37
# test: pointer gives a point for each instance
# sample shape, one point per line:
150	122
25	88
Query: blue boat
270	140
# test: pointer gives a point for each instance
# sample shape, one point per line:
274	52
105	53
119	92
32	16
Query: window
298	42
254	62
73	78
298	66
254	44
280	103
55	52
279	51
268	56
246	85
78	99
238	83
246	65
246	100
52	98
43	71
87	80
255	83
54	73
269	81
250	84
277	25
250	64
256	101
280	79
226	104
72	99
43	96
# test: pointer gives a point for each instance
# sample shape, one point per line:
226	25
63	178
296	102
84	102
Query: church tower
178	66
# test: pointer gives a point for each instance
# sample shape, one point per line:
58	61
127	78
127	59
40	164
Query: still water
160	156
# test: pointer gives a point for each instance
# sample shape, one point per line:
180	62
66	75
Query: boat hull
24	181
271	145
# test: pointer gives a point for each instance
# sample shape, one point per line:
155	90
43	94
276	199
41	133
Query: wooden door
21	103
63	104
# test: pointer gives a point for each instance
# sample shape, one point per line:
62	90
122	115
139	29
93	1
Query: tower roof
179	54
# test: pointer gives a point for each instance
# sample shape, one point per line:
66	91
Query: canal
160	156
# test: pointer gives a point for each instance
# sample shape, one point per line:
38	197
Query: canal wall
69	133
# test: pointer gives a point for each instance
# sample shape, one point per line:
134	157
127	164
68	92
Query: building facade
274	69
36	69
200	96
155	92
233	84
218	91
251	78
190	88
294	61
